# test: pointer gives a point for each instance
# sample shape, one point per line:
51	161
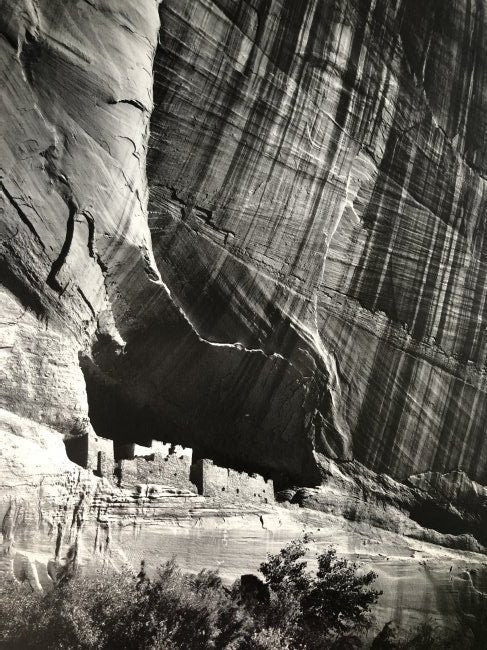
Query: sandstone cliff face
316	215
261	237
317	192
51	509
77	92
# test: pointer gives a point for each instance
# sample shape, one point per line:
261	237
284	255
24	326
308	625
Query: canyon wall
318	192
53	511
254	228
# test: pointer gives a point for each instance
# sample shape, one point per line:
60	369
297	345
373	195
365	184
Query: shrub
293	609
116	611
331	607
427	636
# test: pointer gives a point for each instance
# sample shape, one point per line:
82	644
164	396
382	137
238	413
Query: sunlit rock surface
62	509
254	229
76	97
317	191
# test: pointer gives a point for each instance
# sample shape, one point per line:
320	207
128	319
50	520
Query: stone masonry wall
228	484
172	470
169	466
91	452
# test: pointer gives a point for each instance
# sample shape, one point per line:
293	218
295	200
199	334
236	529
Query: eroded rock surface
51	511
254	228
317	191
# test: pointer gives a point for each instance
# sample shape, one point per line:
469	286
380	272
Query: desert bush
328	609
117	611
428	636
292	608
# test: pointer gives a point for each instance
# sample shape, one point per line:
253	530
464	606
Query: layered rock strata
52	510
286	274
63	512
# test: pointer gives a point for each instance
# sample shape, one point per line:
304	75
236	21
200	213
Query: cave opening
112	413
439	517
115	416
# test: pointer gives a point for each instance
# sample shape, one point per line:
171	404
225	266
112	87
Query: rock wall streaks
286	274
317	192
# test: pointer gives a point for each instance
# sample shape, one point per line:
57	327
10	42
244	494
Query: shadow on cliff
242	409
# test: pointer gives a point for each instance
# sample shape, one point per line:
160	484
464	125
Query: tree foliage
330	607
292	608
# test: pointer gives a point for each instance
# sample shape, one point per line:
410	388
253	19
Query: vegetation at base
291	609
